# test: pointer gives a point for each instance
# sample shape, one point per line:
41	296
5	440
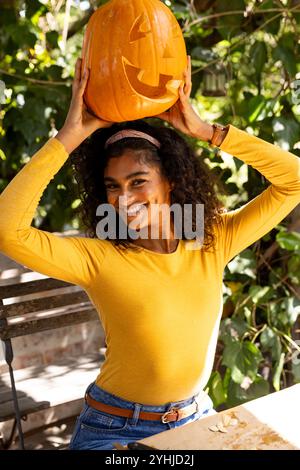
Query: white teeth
134	209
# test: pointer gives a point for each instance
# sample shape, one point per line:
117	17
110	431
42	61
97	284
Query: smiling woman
137	171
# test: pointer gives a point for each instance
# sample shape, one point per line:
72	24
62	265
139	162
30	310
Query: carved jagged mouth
166	88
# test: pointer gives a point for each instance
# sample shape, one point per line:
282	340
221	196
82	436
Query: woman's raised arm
245	225
65	258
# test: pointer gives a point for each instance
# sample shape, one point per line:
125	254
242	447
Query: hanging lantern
136	55
214	81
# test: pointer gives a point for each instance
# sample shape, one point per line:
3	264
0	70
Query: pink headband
131	133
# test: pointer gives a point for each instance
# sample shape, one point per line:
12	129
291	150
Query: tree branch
35	80
79	24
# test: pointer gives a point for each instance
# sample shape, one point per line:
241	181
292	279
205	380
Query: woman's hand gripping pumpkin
182	116
79	123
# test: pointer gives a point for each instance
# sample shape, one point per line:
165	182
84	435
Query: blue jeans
97	430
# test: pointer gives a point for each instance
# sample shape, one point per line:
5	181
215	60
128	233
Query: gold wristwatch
219	134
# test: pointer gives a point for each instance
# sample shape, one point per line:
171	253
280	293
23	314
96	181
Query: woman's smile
134	209
133	187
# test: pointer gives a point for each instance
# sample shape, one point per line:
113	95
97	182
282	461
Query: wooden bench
29	390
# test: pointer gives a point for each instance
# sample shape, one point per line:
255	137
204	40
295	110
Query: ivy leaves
256	340
242	358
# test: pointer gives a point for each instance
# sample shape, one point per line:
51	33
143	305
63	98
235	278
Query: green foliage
251	46
259	352
37	76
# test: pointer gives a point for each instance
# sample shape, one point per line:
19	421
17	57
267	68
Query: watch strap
219	134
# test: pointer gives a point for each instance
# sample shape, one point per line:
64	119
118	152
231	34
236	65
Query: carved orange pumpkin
136	55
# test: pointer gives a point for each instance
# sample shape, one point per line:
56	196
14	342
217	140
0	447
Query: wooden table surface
268	423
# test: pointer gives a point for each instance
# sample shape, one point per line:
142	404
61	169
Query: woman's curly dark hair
191	179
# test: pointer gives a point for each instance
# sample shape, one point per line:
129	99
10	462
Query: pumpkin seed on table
214	428
226	420
218	427
229	421
221	426
233	422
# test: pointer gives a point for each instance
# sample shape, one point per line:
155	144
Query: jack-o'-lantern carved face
136	54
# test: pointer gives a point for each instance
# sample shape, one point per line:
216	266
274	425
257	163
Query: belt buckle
197	401
164	416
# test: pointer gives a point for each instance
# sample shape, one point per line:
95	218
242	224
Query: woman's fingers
164	116
78	69
77	74
80	81
83	82
188	77
184	97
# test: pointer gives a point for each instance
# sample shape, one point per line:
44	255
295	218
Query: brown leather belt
174	414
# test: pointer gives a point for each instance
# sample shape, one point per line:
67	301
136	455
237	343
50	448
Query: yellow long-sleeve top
160	312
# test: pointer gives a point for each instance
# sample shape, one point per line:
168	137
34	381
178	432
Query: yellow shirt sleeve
64	258
243	226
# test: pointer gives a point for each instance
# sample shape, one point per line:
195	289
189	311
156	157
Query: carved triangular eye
141	27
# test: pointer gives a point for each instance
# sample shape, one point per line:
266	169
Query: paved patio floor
55	436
